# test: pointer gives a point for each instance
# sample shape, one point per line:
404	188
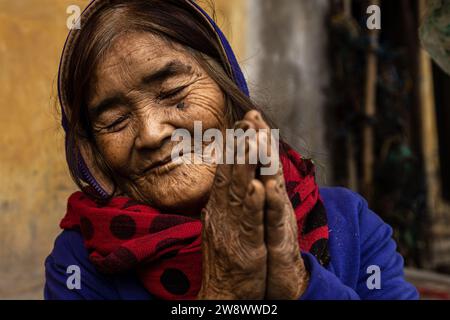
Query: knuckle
251	227
249	259
236	197
253	114
221	180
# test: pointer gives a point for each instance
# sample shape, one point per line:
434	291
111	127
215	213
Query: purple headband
84	173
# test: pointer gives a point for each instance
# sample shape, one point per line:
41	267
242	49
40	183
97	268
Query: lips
157	164
161	166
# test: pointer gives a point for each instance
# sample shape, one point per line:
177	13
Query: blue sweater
360	245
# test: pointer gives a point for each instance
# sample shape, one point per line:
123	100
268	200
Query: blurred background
370	107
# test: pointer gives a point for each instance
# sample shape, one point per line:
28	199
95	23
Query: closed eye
117	122
171	93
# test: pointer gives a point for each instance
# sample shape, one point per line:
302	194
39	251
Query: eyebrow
171	69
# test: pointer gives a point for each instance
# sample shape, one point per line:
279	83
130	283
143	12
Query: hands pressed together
249	241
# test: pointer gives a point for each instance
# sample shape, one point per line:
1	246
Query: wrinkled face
145	89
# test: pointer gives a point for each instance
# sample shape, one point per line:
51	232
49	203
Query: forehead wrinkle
126	47
130	58
130	52
117	71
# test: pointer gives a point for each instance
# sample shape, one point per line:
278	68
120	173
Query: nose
152	133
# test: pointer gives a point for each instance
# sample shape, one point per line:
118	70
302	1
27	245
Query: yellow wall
34	181
231	16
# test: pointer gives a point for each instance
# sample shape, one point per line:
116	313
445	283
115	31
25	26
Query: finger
275	214
256	118
243	171
268	147
221	184
283	253
223	176
270	164
252	218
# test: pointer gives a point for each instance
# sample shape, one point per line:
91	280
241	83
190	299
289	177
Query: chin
185	190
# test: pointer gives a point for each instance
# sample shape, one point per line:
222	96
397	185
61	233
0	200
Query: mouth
163	166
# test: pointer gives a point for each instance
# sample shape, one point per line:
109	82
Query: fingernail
280	187
251	190
242	125
277	187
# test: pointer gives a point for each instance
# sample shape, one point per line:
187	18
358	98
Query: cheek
206	104
116	148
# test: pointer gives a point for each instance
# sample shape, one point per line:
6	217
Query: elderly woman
145	226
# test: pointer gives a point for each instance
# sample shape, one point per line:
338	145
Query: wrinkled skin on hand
250	247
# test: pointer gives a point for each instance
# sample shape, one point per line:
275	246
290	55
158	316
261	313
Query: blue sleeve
70	251
380	250
323	284
377	250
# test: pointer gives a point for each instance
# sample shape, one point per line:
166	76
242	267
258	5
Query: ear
99	178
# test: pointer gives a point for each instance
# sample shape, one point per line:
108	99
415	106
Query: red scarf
165	249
